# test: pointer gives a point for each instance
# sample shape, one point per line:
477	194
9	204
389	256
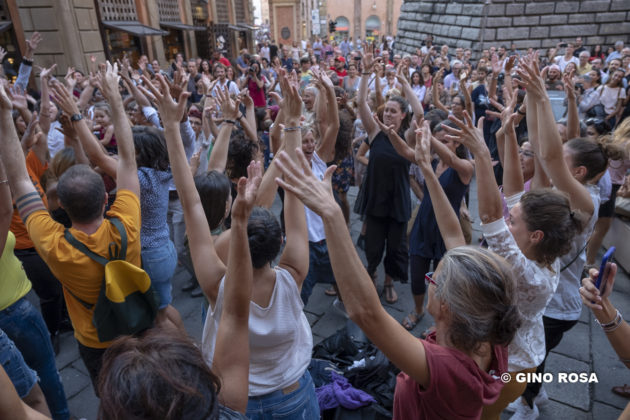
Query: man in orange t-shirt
81	193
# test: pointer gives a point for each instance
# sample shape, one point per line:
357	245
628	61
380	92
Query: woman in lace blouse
540	229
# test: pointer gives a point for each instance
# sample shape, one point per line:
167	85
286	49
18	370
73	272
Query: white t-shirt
280	339
560	61
535	287
314	223
609	96
566	303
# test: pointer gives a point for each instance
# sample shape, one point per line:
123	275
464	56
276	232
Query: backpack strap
122	254
83	248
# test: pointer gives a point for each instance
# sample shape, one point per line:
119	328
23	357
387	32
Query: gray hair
479	289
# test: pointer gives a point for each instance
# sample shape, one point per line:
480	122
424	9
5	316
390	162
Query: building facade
481	24
364	19
75	30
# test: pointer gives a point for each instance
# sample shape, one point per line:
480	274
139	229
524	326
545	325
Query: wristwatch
76	117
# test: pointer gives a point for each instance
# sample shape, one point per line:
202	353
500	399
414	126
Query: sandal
330	292
390	293
409	323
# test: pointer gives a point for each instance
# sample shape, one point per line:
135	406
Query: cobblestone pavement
584	348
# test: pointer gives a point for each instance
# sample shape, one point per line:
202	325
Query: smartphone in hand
604	270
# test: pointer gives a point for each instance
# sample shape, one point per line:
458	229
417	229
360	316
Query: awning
134	27
182	26
247	26
5	25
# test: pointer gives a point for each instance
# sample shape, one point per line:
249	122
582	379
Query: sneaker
523	412
542	398
340	308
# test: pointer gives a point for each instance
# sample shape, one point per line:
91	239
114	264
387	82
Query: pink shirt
257	94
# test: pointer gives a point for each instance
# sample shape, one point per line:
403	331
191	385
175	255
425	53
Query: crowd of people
180	164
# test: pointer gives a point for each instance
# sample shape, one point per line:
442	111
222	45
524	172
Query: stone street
584	348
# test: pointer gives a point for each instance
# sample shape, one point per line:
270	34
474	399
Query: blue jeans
22	377
299	404
319	269
160	263
25	326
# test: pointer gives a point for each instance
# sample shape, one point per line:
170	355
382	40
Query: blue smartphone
604	269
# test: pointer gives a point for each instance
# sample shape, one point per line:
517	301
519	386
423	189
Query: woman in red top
256	86
472	298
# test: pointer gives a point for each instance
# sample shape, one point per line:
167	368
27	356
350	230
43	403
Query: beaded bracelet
297	127
612	325
366	73
229	121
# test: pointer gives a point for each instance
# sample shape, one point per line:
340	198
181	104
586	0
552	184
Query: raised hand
5	102
247	190
291	103
18	97
299	179
509	64
229	107
108	79
368	61
46	73
569	86
532	79
388	130
29	136
171	111
497	64
63	98
245	98
590	294
469	135
32	44
69	78
423	145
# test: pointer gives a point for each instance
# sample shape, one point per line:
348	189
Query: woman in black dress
386	204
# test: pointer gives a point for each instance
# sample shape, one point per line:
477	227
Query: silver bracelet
296	128
6	181
612	325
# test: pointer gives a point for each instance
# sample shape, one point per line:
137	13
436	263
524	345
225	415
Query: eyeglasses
428	278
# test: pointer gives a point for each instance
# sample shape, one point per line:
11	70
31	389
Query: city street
584	349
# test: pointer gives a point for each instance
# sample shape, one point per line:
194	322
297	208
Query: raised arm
326	147
275	134
364	110
230	112
44	107
463	167
488	197
294	258
573	119
233	331
415	104
618	333
550	148
399	144
248	121
447	220
92	147
209	269
435	95
6	207
512	172
355	285
27	199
